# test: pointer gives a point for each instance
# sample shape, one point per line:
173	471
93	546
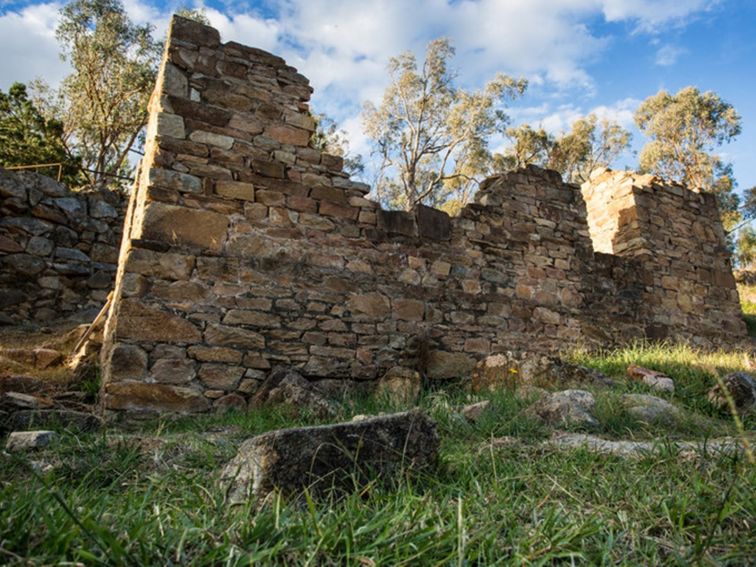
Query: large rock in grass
569	407
650	409
742	390
288	388
342	456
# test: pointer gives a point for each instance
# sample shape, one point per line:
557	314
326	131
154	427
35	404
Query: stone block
143	397
432	223
443	365
176	180
221	376
181	226
401	386
235	190
330	209
408	309
214	354
138	322
246	123
162	265
170	125
253	318
225	336
371	304
212	139
26	440
271	198
284	134
192	31
127	362
397	222
173	371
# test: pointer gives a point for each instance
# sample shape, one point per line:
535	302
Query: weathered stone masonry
245	248
58	248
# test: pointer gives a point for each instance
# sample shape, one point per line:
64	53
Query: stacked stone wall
677	239
246	248
58	248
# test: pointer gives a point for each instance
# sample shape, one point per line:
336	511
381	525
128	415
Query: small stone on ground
25	440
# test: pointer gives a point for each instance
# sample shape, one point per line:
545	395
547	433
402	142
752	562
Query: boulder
340	456
289	388
473	412
494	372
649	409
25	440
514	369
742	390
568	407
652	378
401	386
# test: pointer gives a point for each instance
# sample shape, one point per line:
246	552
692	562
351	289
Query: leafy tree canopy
591	143
28	138
431	136
102	104
685	129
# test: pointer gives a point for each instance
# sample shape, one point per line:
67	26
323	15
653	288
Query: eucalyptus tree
431	136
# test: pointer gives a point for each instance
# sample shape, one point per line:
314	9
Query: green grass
149	496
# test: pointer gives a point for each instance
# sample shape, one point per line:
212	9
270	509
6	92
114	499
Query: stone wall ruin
58	248
245	248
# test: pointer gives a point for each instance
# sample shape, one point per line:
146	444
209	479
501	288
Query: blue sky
579	55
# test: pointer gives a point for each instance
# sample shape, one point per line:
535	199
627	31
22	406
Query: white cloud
248	29
559	120
622	112
668	55
30	50
649	15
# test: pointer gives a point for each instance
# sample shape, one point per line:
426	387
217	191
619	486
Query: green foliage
745	251
591	143
28	138
103	102
430	135
528	147
685	128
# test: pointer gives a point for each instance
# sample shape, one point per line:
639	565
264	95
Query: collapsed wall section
246	247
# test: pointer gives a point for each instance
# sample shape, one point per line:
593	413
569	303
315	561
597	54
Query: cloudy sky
579	55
